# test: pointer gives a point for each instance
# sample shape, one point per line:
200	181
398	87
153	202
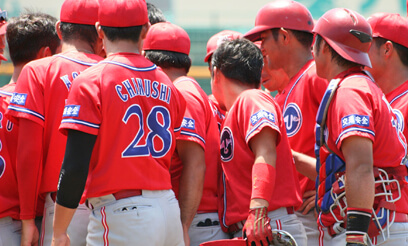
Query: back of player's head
28	33
394	28
122	19
217	39
155	14
347	33
168	45
78	18
239	60
278	14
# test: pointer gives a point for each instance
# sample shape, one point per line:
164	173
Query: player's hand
309	198
257	227
29	233
60	240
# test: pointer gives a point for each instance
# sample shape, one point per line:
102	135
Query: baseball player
285	28
37	105
258	167
212	45
155	14
389	60
23	47
362	192
195	165
122	118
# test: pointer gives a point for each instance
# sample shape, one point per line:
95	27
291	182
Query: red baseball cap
218	38
390	26
281	13
122	13
83	12
167	36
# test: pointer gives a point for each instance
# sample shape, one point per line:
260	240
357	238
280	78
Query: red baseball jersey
252	111
40	96
9	201
359	108
199	126
398	99
136	112
299	102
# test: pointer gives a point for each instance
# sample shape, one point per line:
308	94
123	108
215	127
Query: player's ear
387	49
99	30
58	29
145	29
44	52
284	36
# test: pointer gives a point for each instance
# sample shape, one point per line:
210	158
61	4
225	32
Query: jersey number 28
156	129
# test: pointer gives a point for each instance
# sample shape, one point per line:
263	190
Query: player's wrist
263	181
358	221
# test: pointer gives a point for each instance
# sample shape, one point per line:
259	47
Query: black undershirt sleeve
75	167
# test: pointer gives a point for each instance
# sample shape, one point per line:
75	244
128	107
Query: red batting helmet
348	33
281	13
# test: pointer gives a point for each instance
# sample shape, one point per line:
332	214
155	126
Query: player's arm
358	154
29	172
192	156
74	172
263	145
305	164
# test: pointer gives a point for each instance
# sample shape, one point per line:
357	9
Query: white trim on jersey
80	122
27	111
139	69
76	60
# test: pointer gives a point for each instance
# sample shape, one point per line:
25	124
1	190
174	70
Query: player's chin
268	84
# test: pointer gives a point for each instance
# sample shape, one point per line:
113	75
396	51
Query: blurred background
202	19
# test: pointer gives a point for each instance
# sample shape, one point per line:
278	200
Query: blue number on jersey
157	129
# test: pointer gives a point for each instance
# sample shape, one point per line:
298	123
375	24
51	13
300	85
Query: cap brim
3	29
2	57
207	57
350	54
255	33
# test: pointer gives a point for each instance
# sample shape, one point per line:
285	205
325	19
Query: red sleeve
29	167
351	114
193	127
258	111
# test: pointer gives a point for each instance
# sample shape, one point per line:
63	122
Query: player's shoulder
254	95
7	89
37	64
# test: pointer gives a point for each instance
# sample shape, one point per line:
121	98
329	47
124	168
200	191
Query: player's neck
174	73
298	60
232	90
122	46
16	73
77	46
391	78
334	69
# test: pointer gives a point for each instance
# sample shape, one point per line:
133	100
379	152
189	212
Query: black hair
28	33
169	59
155	14
402	51
71	31
239	60
122	33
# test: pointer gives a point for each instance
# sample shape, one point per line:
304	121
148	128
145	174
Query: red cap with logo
218	38
226	242
348	33
167	36
122	13
391	27
281	13
83	12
